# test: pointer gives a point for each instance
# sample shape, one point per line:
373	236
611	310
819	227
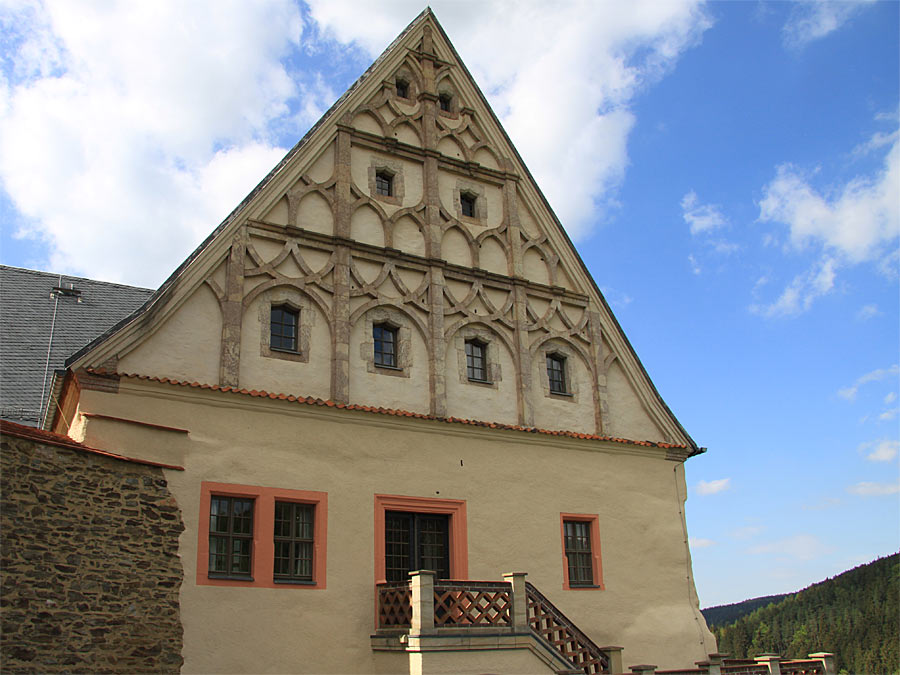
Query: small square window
384	183
283	328
556	373
402	88
476	361
294	530
385	337
579	556
230	536
445	101
467	204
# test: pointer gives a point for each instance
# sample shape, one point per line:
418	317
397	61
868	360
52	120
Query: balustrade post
422	586
714	664
643	669
615	658
518	613
771	661
827	658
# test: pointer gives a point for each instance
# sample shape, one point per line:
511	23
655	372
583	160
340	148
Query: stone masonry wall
90	567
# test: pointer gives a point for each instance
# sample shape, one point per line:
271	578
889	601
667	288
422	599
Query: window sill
229	577
385	367
584	587
567	394
285	351
294	582
472	380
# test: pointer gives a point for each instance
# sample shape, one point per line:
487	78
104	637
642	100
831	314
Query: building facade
390	358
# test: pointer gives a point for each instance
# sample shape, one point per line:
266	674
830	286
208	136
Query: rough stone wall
90	568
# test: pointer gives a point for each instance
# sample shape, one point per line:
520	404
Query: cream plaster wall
186	346
552	411
362	158
627	416
277	372
515	486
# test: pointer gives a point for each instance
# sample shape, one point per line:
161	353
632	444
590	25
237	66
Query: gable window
230	536
402	88
385	337
467	204
283	328
294	528
445	101
556	373
384	183
476	360
416	541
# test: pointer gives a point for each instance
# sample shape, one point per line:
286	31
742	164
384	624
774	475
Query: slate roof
29	309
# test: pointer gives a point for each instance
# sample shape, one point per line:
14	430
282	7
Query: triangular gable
323	188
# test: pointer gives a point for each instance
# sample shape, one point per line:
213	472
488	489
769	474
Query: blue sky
729	173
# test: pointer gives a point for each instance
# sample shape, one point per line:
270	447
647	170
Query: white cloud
867	489
700	217
747	531
124	141
800	294
695	266
699	542
801	547
811	21
890	398
713	486
880	451
889	414
568	85
855	222
850	392
867	312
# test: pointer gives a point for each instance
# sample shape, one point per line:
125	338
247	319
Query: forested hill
855	615
723	614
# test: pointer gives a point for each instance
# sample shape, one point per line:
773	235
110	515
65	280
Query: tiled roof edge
49	438
308	400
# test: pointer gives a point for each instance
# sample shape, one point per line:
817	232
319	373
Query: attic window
283	335
445	101
384	183
402	88
467	204
556	373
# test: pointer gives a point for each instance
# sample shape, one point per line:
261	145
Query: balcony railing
425	606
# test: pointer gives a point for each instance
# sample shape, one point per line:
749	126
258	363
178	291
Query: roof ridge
71	277
310	400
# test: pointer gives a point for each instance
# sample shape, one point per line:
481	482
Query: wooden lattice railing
394	605
803	667
472	603
563	635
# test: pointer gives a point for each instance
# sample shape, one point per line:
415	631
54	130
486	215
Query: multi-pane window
402	88
467	204
230	536
556	373
476	360
294	524
416	541
444	100
385	337
284	321
578	552
384	183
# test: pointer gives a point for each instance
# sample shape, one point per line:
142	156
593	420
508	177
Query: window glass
283	333
444	100
416	541
578	552
402	88
385	345
294	541
476	361
556	372
384	183
230	536
467	205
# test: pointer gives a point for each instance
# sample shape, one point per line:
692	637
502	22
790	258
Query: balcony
429	616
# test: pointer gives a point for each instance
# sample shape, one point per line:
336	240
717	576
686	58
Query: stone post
422	582
713	664
518	612
826	658
771	661
615	658
643	669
